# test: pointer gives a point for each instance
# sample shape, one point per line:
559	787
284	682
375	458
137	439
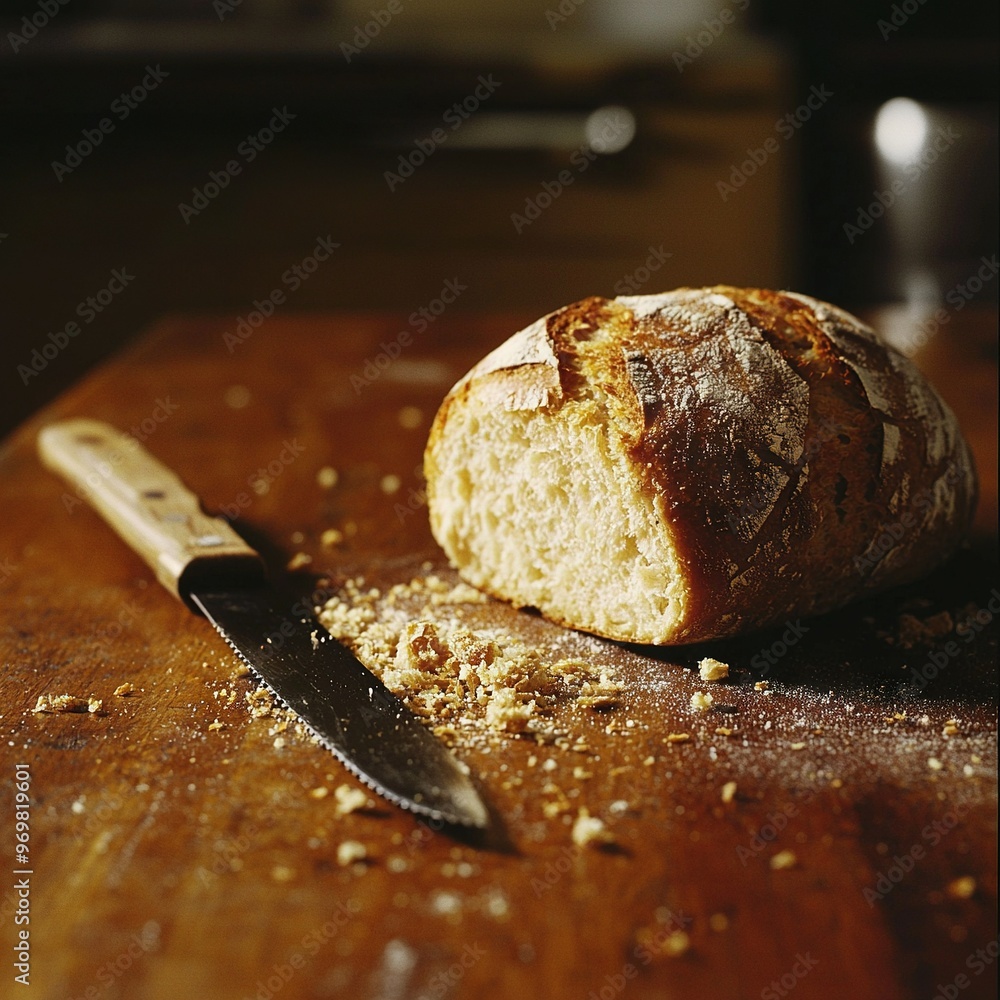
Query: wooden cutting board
171	857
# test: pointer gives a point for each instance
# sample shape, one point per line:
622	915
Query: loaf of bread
680	467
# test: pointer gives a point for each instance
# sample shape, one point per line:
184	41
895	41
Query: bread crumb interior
543	507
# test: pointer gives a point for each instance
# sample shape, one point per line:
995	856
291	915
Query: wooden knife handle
149	507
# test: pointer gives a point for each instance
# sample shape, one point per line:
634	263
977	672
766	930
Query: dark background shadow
690	92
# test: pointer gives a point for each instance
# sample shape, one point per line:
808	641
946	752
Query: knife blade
202	561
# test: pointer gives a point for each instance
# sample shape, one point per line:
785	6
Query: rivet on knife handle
148	506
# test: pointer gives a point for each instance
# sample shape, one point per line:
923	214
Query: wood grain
170	859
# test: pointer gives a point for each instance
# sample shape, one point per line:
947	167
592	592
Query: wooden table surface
173	860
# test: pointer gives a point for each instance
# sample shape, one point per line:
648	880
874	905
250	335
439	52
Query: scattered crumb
658	942
390	484
676	944
279	742
327	477
349	851
446	903
467	681
410	417
728	791
461	593
719	922
215	726
590	831
934	764
261	703
711	669
796	746
761	685
552	809
282	873
53	703
506	712
961	888
701	701
331	538
224	695
123	690
723	731
950	728
349	799
782	860
319	792
298	561
677	738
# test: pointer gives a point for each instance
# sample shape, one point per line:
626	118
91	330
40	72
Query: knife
203	562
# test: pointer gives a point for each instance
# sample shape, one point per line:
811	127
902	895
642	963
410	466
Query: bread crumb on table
728	791
963	887
349	799
504	711
711	669
349	851
327	477
331	538
590	831
783	860
261	702
52	703
467	680
701	701
123	690
660	942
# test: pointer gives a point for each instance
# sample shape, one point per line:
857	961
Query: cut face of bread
680	467
559	517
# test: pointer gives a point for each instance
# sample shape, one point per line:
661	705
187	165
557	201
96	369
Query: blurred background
165	156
